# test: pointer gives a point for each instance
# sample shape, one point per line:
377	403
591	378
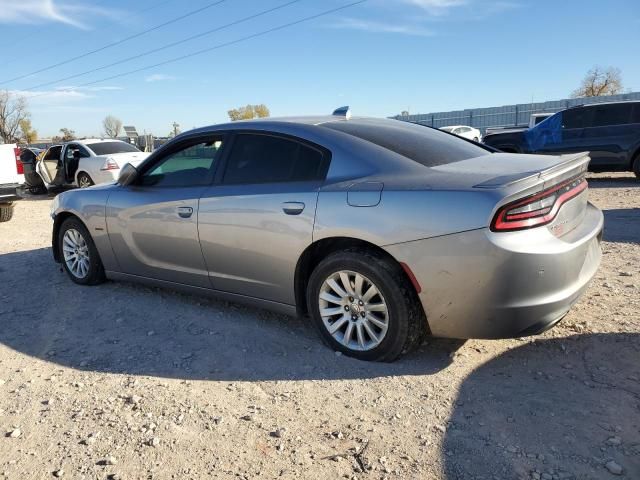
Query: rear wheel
363	306
84	180
636	166
6	212
476	139
78	253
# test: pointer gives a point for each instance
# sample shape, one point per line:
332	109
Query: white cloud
91	89
48	11
158	77
436	7
50	97
379	27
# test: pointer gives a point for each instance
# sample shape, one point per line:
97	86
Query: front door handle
293	208
185	212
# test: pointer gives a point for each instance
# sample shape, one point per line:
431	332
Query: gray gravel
124	381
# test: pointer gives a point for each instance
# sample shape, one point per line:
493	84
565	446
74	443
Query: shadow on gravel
131	329
619	223
614	182
561	407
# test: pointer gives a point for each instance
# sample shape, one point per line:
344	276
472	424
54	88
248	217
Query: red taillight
19	166
539	209
110	164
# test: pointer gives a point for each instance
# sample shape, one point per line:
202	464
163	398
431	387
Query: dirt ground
123	381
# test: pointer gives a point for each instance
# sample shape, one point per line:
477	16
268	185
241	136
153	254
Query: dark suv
610	132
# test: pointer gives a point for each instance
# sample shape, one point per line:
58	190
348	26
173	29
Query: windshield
109	148
425	145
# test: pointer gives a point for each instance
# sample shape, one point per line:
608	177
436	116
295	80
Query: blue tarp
547	132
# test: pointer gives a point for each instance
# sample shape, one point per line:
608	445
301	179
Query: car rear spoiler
570	165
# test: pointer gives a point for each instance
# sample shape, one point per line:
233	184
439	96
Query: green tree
600	81
13	109
27	134
249	112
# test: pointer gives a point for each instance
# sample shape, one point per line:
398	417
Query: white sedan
87	162
464	131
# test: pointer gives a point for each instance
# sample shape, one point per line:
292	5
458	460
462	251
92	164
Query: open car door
49	166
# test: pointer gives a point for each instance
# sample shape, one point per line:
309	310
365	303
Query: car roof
585	105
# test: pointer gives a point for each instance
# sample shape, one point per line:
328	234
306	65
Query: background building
507	115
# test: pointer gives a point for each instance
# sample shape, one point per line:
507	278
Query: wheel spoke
369	330
360	335
376	307
346	282
369	294
347	334
326	296
376	322
358	285
336	288
335	326
328	312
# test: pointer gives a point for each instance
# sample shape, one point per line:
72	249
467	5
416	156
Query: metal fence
507	115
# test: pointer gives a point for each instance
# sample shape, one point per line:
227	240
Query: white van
11	177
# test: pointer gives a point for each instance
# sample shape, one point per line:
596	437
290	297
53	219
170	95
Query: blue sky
380	57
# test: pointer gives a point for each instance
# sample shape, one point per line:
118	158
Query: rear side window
270	159
427	146
109	148
611	114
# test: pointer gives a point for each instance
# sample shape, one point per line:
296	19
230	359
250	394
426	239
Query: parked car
381	230
11	177
86	162
609	131
464	131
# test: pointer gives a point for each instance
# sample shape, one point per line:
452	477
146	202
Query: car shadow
131	329
619	223
562	408
613	182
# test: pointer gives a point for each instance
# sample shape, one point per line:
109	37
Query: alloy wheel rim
353	310
76	253
84	181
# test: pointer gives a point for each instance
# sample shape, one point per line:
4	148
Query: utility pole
176	126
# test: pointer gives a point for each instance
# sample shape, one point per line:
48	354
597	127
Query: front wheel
363	306
84	180
78	253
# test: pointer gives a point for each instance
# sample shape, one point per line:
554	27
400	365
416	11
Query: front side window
259	158
579	117
109	148
53	153
191	165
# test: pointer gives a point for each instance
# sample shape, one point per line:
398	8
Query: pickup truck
11	177
534	120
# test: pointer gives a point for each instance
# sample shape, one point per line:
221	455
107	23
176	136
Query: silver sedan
380	231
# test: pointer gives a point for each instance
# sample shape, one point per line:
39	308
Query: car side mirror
128	175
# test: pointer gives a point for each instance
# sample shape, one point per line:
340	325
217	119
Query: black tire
84	180
636	166
406	321
95	273
38	190
476	139
6	212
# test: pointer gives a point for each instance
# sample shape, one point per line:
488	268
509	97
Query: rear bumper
482	284
9	192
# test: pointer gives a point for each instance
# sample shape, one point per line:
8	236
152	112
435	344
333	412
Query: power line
168	45
215	47
118	42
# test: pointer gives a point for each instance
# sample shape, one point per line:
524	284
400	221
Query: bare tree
67	135
249	112
112	126
13	110
600	81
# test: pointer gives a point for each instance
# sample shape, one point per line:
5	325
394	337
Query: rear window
611	114
425	145
108	148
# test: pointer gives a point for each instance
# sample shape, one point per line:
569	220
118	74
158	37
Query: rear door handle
293	208
185	212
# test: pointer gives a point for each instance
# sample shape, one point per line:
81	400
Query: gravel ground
124	381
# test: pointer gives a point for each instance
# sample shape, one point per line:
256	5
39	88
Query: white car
87	162
464	131
11	176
